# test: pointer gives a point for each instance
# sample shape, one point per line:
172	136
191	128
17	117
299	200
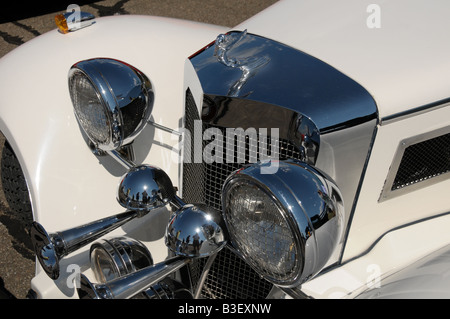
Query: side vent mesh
419	162
422	161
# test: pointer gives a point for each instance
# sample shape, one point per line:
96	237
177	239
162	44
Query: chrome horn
143	189
194	231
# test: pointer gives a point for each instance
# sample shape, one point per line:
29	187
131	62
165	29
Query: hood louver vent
419	162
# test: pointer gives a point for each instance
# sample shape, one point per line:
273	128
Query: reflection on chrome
145	187
195	231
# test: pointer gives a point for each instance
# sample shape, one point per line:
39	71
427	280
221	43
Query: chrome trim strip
415	111
358	192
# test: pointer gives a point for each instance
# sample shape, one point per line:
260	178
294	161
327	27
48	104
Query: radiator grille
229	276
216	173
193	173
423	161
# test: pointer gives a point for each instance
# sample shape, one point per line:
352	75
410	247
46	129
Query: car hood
404	63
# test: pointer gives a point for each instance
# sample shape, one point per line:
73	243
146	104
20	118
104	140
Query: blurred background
24	21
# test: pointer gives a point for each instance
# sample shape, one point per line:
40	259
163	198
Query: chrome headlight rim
311	202
117	86
101	101
298	238
120	253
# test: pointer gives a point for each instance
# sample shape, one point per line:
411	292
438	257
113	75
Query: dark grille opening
423	161
193	173
229	275
132	115
217	173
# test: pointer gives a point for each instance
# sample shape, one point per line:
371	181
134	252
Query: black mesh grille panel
217	172
193	173
422	161
132	115
230	278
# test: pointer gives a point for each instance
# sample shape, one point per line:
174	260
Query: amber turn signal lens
61	23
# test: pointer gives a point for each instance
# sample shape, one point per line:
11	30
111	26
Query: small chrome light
112	101
145	187
286	225
195	231
73	21
116	257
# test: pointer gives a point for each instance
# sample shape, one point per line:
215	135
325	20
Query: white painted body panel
404	64
70	186
394	251
372	218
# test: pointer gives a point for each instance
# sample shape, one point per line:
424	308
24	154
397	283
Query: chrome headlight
286	225
116	257
112	101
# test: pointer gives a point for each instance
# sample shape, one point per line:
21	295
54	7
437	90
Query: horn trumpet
194	231
142	189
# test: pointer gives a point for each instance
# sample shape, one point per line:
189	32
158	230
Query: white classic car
303	154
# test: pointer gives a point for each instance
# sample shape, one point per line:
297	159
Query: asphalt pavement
20	25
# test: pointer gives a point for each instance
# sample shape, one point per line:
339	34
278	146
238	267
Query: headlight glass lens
89	109
104	267
260	231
